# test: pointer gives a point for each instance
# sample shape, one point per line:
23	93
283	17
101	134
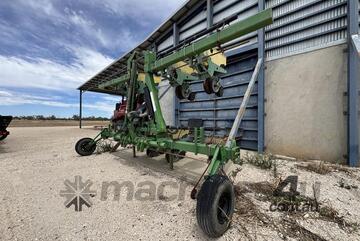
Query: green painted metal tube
154	95
230	33
202	134
208	150
114	82
215	162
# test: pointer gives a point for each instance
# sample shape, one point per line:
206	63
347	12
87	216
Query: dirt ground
35	162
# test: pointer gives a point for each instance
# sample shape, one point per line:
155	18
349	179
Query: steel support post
352	85
154	47
209	13
261	84
176	37
80	110
242	109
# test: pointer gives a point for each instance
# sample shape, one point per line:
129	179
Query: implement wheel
181	92
170	158
220	92
152	153
84	147
212	85
215	205
207	84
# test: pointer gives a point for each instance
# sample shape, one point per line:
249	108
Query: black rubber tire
152	153
192	96
2	137
82	147
220	92
217	191
179	92
207	86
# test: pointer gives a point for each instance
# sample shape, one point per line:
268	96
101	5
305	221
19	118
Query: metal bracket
177	77
214	68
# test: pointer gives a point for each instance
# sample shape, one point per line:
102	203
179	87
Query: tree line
53	117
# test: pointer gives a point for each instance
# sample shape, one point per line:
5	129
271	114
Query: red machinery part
4	133
119	112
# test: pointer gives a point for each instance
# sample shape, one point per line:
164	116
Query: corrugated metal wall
243	9
299	26
166	43
218	113
194	24
302	25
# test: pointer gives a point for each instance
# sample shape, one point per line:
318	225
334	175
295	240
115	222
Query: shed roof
118	67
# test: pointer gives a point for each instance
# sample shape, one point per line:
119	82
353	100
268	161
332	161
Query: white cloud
41	8
4	93
47	10
48	74
44	25
141	10
9	98
112	98
89	28
103	106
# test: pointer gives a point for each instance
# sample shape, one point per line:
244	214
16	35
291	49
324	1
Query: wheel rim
220	92
86	147
223	210
185	91
215	85
192	96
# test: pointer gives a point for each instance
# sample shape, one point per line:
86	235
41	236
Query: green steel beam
215	163
248	25
219	154
114	82
200	148
154	95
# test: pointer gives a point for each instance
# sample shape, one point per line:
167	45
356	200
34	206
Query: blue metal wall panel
218	113
166	44
299	26
243	9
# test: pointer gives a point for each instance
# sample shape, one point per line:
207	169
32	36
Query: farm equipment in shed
119	114
4	123
144	128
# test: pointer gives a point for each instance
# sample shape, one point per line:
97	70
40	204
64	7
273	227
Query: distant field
49	123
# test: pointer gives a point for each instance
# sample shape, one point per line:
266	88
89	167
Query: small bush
263	161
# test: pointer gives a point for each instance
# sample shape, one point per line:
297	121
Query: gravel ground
35	162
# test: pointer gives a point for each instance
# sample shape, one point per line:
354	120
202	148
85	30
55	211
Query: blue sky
48	48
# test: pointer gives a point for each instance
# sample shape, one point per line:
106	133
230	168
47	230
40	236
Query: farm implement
4	123
141	123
